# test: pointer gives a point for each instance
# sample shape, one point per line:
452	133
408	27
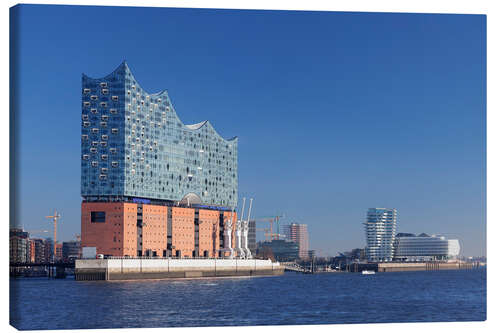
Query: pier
161	268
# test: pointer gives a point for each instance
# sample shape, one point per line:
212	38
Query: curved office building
424	247
380	229
134	145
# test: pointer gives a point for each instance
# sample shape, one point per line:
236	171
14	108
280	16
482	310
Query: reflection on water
292	299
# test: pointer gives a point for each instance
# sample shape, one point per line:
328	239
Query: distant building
252	237
380	230
311	254
18	245
71	250
38	247
59	254
31	250
423	247
282	250
298	233
48	250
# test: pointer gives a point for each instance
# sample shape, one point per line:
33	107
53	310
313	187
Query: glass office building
380	230
133	145
409	247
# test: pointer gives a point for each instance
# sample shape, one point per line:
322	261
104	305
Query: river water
290	299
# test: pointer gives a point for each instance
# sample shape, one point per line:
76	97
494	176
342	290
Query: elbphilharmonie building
134	145
151	185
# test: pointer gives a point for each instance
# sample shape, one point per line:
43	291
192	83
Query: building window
86	90
97	217
104	117
85	157
104	157
114	130
104	170
86	103
95	143
104	124
113	111
104	84
104	143
93	111
85	137
93	97
85	117
93	150
112	150
95	163
95	130
104	137
104	104
102	177
86	124
105	91
114	98
114	164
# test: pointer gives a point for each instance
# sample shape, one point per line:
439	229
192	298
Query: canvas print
180	167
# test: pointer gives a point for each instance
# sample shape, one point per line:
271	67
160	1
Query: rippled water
291	299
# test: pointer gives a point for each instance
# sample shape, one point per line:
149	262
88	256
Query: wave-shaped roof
161	94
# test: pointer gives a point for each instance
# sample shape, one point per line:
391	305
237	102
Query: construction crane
269	231
54	218
37	231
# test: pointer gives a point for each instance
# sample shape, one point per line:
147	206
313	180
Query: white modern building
409	247
380	230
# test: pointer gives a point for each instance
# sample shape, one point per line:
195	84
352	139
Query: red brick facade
112	227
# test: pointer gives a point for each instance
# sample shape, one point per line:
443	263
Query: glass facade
415	248
281	249
133	144
380	229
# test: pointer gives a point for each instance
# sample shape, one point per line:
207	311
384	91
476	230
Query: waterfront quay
384	267
161	268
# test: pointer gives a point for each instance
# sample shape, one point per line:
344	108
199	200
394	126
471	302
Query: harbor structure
298	233
380	231
151	185
409	247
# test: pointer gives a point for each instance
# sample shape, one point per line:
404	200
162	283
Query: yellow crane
269	234
54	218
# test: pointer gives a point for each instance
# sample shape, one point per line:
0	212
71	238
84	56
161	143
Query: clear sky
335	112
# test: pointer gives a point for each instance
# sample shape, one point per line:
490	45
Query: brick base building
137	229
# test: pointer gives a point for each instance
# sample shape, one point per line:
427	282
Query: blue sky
335	112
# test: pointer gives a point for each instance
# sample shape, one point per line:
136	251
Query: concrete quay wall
423	266
132	269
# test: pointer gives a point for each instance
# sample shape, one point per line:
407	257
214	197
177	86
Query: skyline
390	106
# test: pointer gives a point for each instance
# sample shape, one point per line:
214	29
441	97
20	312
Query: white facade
380	230
417	248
